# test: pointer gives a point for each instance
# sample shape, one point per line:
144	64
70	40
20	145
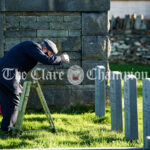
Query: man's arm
36	53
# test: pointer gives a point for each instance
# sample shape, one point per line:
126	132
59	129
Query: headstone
100	91
113	22
144	24
118	25
127	22
130	103
133	17
137	24
121	23
116	101
147	145
146	109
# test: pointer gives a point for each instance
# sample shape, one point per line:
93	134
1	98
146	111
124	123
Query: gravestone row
130	103
129	22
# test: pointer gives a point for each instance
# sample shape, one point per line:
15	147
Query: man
22	58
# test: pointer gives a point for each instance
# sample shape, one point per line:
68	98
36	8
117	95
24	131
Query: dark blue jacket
23	57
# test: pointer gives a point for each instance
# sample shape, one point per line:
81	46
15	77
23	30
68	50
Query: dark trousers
9	107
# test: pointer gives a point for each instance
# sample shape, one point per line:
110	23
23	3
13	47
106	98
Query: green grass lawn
77	127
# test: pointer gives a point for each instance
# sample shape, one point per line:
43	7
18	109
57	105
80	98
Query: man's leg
10	114
9	109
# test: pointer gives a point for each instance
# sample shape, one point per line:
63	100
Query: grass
77	127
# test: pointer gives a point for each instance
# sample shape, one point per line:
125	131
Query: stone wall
79	28
130	40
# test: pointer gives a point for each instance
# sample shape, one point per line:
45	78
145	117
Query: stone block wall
79	28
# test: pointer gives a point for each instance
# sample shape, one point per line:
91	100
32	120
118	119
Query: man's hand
20	86
65	58
21	89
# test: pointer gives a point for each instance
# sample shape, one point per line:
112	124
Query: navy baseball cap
51	46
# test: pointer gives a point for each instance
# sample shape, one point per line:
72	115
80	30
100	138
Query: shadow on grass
78	109
84	134
86	140
104	130
39	119
102	120
16	145
27	136
6	135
